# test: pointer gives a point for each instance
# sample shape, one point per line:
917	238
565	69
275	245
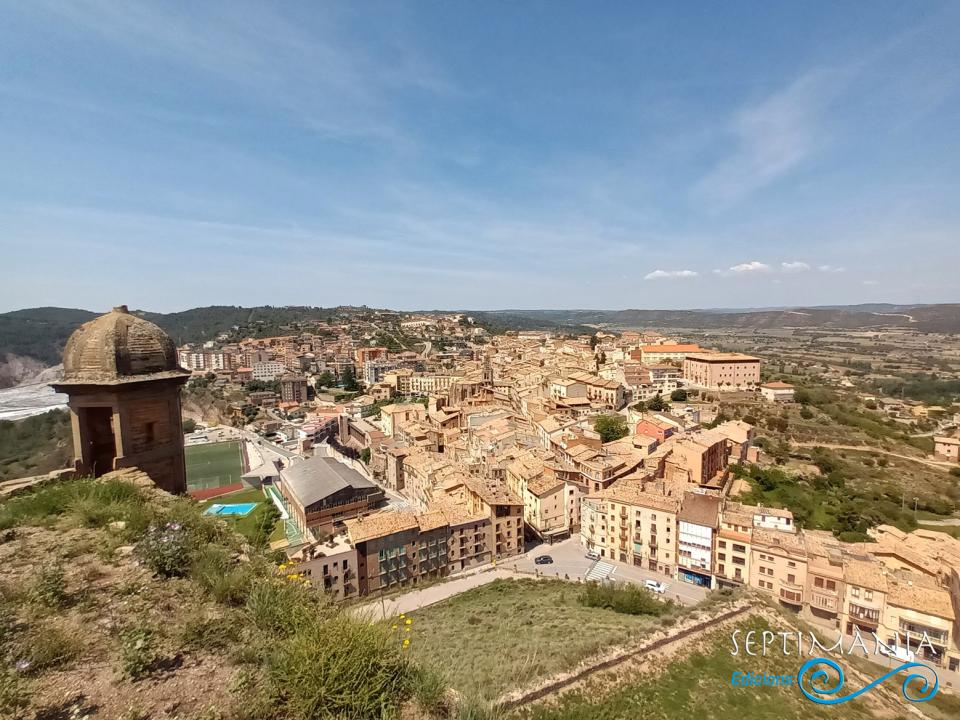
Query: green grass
698	686
511	632
214	465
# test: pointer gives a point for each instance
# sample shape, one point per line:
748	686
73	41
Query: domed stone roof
119	347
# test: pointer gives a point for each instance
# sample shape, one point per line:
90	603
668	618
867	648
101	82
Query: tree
806	413
611	427
189	425
365	456
325	379
658	404
350	379
679	395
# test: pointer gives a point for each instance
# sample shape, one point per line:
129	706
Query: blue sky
478	155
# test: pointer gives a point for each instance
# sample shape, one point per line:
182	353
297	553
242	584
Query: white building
777	391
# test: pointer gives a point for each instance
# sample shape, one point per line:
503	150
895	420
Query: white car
655	586
593	555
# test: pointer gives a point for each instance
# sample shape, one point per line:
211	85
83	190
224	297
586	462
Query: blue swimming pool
234	509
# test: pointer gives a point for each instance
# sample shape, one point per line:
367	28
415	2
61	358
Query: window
868	594
722	543
855	591
791	563
792	579
739	548
818	582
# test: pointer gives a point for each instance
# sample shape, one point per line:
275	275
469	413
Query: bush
227	582
679	395
339	667
429	690
166	549
50	646
623	598
955	471
203	633
14	697
279	608
50	587
137	652
806	413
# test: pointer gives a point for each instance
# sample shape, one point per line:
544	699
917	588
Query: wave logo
812	673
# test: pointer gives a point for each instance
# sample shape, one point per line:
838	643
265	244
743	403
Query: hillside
120	601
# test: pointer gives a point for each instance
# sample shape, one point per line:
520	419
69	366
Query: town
391	468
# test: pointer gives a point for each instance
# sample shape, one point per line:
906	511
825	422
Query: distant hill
925	318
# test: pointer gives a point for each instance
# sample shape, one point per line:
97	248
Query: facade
947	448
123	379
657	354
322	494
777	391
293	389
698	522
267	370
722	371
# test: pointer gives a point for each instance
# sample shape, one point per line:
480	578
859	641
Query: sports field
215	465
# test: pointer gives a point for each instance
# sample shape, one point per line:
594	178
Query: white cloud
754	266
830	269
794	267
871	282
670	274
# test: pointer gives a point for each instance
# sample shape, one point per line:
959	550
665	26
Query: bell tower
123	380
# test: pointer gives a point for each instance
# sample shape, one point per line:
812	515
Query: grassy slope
510	632
35	445
698	686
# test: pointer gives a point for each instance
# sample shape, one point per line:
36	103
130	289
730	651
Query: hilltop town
396	463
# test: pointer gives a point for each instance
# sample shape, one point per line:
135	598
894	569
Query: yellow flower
409	621
394	627
406	642
406	629
292	576
402	616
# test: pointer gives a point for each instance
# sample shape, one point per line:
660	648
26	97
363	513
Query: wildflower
23	665
409	621
406	642
406	629
393	627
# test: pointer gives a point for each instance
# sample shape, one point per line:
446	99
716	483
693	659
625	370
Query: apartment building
779	565
609	394
633	521
697	458
734	546
564	388
722	372
293	389
267	370
392	415
698	522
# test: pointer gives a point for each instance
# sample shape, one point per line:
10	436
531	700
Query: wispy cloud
830	269
670	274
794	267
772	137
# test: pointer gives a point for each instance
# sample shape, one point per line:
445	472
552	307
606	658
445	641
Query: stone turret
123	379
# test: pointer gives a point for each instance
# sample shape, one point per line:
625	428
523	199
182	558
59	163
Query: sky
478	155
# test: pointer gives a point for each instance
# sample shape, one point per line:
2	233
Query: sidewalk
416	599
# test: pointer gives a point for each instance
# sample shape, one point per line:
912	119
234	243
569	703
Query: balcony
864	613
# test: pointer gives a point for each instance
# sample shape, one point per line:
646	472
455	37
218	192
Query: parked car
593	555
543	560
656	586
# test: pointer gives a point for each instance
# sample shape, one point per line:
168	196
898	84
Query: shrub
806	413
339	667
203	633
50	646
14	696
623	598
212	570
279	608
137	652
166	549
50	587
955	471
429	690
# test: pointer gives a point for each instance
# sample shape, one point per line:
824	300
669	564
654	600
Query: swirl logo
812	674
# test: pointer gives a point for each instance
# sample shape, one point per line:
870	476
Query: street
570	561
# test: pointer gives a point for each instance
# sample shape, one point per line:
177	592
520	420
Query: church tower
123	379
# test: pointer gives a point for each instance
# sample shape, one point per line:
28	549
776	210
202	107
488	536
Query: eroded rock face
17	369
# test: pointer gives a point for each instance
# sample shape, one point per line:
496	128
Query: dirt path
879	451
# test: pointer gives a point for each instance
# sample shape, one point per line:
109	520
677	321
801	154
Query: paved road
570	562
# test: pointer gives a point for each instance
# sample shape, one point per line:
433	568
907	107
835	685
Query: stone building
123	378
